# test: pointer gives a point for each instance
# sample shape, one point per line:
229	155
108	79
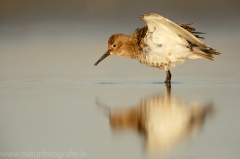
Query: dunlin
161	43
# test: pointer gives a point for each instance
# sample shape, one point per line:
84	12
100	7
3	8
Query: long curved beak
103	57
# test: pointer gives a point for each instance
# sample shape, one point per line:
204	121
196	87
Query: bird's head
115	46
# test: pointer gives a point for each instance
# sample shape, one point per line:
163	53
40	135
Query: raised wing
155	21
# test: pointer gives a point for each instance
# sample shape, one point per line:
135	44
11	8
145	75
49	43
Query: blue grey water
53	98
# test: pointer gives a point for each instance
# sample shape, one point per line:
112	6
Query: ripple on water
70	83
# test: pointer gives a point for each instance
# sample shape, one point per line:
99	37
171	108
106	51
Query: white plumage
166	44
162	43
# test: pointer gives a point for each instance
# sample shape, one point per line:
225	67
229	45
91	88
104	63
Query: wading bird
161	43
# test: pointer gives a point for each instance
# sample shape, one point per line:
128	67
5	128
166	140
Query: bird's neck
131	49
134	43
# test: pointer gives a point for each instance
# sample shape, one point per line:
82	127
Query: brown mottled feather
141	34
111	39
191	30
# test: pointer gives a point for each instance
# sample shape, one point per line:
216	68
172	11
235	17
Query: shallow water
64	115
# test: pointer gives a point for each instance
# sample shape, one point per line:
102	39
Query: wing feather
154	21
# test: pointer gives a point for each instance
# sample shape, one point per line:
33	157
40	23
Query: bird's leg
168	77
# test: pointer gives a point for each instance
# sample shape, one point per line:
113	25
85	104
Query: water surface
64	115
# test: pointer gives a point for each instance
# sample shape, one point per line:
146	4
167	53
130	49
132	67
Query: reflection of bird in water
162	119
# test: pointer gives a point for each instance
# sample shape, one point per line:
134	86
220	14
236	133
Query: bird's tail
207	53
199	52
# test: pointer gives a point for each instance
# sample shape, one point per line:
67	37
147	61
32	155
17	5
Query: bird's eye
114	45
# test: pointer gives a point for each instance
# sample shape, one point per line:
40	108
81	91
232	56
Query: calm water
112	119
